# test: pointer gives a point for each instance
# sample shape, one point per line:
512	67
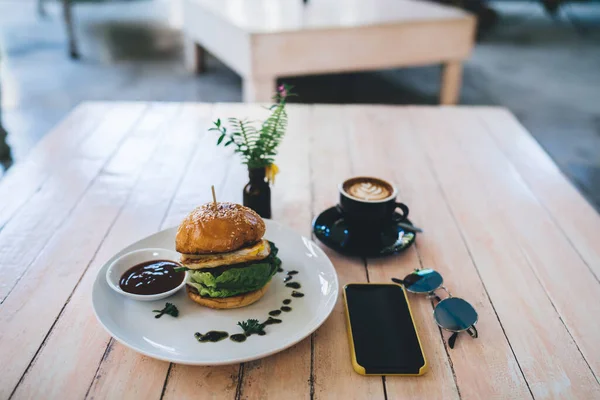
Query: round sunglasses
452	313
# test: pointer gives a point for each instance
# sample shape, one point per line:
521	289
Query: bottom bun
242	300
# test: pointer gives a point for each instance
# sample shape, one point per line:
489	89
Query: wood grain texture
570	211
54	271
29	230
546	352
123	375
503	226
151	375
231	190
287	374
336	50
540	239
441	247
71	354
26	177
369	158
332	366
210	166
123	372
187	382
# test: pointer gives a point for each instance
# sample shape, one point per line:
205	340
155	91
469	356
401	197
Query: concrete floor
545	71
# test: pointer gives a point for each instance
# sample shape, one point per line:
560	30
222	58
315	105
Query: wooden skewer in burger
230	263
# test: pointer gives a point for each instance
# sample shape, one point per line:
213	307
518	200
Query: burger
230	263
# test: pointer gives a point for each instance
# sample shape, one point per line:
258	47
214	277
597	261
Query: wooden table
502	224
262	40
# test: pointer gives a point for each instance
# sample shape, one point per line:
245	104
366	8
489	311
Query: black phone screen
383	332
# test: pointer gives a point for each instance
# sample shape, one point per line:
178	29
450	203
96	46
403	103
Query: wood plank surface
569	210
54	271
551	362
539	239
221	382
211	166
286	374
332	366
441	247
24	236
503	226
369	159
25	178
123	372
421	43
66	363
291	367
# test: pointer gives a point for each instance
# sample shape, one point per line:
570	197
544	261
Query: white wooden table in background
502	224
262	40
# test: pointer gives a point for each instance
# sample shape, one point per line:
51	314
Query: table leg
195	56
40	8
5	154
67	15
451	81
259	90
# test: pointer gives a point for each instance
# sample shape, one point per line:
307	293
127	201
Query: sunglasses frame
471	330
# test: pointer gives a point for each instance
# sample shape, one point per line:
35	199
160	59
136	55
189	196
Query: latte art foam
368	189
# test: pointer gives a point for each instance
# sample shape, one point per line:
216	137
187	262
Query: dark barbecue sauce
275	312
288	301
238	337
287	278
297	294
211	336
151	277
293	285
292	272
286	309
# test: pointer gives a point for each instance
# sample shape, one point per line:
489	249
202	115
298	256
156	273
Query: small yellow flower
271	171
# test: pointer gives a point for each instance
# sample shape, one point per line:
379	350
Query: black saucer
331	229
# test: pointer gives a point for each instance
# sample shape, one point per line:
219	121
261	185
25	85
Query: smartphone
382	333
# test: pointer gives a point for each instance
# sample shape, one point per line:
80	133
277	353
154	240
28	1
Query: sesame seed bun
221	229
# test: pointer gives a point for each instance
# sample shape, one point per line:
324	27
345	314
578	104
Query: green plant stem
277	113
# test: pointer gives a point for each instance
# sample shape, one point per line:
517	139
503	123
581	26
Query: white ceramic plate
132	322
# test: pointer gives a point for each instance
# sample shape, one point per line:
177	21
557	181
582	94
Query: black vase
257	193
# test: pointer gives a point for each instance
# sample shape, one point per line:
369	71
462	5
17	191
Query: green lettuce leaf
237	279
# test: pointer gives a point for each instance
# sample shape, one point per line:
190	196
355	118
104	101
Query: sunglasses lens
455	314
423	281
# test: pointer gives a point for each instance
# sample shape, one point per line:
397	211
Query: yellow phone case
359	368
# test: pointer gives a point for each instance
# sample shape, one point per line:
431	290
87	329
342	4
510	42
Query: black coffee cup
369	204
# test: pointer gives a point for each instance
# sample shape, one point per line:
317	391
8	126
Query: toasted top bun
255	252
241	300
224	228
